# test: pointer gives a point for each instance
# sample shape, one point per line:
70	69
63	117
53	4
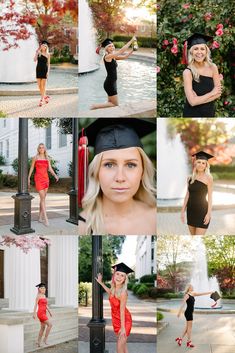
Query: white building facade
59	146
146	260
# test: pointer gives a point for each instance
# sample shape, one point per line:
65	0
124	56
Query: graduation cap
40	285
106	42
122	268
45	42
215	296
194	39
203	155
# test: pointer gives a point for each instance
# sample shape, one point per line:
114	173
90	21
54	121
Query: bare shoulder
214	68
209	179
187	73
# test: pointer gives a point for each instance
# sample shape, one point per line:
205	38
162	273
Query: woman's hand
56	178
217	90
50	314
99	278
122	333
34	316
179	313
133	39
182	217
28	183
207	219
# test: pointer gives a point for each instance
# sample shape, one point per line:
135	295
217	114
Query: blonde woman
42	57
110	83
41	303
189	301
42	164
121	190
199	187
121	317
202	84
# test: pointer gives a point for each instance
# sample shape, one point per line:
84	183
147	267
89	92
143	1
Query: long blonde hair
187	288
92	201
194	174
47	51
45	152
191	65
118	292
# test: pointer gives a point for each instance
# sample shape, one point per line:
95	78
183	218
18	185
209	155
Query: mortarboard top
198	38
117	133
40	285
106	42
203	155
215	296
45	42
122	268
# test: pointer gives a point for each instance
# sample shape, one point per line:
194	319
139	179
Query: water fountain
18	64
200	280
87	57
171	164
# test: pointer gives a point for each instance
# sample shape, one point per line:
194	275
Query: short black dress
110	83
197	205
42	67
190	308
204	86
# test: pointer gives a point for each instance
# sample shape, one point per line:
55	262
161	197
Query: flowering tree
52	19
24	242
177	20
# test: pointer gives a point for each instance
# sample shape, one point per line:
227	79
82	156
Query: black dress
110	83
42	67
197	205
204	86
190	308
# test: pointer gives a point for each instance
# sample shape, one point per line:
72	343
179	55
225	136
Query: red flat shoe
47	99
190	345
179	341
40	103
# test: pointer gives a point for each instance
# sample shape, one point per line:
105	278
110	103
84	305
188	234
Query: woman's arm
31	170
184	205
124	56
35	307
183	305
120	51
195	294
123	300
36	55
99	280
49	64
52	171
192	97
209	188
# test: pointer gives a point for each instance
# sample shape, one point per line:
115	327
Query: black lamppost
73	193
97	323
22	211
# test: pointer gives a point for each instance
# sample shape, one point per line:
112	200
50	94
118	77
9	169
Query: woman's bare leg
121	342
112	102
192	230
49	326
200	231
42	194
189	331
185	331
43	326
44	81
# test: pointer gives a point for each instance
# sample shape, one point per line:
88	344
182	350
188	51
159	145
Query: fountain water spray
87	58
172	164
200	280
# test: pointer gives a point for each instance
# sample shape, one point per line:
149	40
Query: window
48	138
1	148
152	254
4	122
62	140
7	148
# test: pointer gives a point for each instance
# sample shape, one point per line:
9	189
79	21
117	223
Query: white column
21	273
65	270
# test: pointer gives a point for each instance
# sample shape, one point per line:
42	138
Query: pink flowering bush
177	20
25	242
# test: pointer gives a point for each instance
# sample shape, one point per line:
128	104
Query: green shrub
119	44
9	181
142	291
130	285
160	316
136	287
173	295
85	290
145	42
153	293
148	278
2	114
2	160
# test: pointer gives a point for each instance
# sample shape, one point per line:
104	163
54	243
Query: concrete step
4	303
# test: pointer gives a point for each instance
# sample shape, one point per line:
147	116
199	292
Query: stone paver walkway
66	347
57	210
60	106
211	334
222	223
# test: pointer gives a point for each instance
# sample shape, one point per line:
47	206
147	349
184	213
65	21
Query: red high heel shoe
190	345
46	98
179	341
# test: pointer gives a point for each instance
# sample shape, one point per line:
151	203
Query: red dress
41	177
116	319
42	309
